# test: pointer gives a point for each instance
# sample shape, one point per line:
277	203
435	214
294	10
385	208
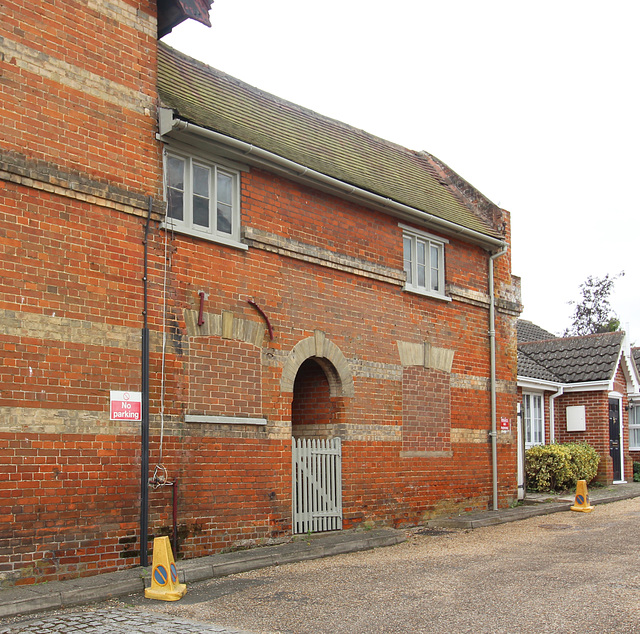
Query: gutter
167	123
492	346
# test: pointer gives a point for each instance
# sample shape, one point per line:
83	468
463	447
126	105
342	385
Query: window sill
230	242
419	291
224	420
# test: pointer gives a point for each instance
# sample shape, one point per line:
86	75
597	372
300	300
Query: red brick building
580	389
295	278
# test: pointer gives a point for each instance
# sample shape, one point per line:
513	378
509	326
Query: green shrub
585	460
558	467
636	471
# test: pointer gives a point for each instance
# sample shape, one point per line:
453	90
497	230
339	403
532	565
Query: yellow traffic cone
582	498
164	576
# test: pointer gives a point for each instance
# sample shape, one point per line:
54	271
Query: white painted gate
317	485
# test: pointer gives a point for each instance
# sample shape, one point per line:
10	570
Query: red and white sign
126	405
505	424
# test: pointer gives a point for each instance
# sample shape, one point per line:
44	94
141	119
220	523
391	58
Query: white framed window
532	404
423	262
203	198
634	427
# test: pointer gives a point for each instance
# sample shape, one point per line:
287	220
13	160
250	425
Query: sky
536	104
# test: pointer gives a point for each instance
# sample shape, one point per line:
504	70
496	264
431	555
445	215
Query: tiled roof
575	359
528	331
635	354
534	370
211	99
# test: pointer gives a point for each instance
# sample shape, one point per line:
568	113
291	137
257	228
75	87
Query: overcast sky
536	104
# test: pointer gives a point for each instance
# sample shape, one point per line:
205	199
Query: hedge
558	467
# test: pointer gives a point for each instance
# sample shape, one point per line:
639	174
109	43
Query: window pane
200	211
201	181
225	188
175	187
224	218
407	243
175	200
634	437
421	263
224	207
175	168
526	402
533	419
435	264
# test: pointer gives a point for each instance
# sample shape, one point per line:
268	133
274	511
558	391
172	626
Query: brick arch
328	356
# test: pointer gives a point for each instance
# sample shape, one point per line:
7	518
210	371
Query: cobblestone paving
113	621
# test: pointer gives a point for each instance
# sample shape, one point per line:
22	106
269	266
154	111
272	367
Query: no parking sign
126	405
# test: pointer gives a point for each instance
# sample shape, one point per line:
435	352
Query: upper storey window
203	199
424	262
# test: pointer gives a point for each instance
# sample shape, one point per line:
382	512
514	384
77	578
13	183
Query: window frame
634	426
527	420
429	241
186	225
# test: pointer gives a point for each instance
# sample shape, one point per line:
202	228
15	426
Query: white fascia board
589	386
528	383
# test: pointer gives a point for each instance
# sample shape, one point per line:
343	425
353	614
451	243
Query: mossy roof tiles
211	99
528	331
532	369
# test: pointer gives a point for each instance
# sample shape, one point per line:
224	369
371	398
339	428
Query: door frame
522	491
616	397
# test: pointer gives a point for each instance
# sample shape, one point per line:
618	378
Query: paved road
567	572
112	620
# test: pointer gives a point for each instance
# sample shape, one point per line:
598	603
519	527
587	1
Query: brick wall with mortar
365	318
597	426
78	161
74	198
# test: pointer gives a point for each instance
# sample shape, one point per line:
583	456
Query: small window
634	427
202	199
533	419
423	262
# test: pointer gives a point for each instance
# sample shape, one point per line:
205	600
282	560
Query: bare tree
593	313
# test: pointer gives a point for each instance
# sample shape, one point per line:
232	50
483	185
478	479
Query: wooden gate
317	485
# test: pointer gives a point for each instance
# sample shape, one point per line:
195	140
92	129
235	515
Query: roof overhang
171	127
629	371
589	386
173	12
529	383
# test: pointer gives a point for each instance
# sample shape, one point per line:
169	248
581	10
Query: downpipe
144	425
492	346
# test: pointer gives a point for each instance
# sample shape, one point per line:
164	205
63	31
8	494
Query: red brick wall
81	158
224	375
75	85
597	432
426	410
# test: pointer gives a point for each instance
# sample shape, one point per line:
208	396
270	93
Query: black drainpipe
144	474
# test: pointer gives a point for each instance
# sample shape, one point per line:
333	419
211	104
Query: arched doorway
314	412
317	376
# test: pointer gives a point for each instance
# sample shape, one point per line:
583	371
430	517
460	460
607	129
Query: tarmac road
564	572
567	572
